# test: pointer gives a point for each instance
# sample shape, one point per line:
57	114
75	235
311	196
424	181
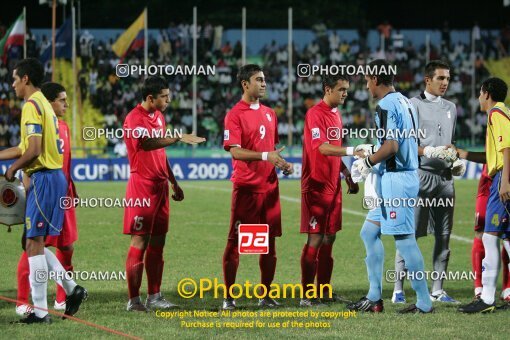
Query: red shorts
69	233
321	213
255	208
143	220
481	201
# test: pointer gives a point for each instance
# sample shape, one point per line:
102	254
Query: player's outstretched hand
277	160
178	193
365	149
192	139
458	168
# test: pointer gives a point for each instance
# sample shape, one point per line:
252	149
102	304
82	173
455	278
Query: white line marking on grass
297	200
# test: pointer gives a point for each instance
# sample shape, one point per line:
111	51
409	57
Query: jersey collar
328	108
144	111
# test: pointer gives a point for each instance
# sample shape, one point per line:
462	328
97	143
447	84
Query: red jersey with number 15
252	127
320	173
139	125
65	143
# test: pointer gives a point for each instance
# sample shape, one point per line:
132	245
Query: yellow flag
122	44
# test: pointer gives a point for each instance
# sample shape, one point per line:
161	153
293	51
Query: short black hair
51	90
331	81
433	65
32	68
245	73
382	79
496	88
153	85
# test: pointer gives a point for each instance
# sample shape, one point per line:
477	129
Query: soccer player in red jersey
56	95
250	135
321	190
145	138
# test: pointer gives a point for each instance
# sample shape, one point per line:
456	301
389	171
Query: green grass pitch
195	243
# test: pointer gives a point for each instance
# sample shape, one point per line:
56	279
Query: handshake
362	166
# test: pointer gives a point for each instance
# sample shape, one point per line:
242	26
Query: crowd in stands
115	97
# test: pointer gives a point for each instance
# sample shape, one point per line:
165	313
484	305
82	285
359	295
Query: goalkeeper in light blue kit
397	182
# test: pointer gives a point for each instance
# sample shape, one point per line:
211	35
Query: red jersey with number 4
320	173
252	127
139	125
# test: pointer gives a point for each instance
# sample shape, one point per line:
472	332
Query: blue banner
93	169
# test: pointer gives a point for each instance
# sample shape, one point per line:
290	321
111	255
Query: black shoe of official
365	305
477	306
74	300
32	318
412	309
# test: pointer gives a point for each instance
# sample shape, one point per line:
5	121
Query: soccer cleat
32	318
229	304
365	305
24	310
74	300
443	297
398	297
336	298
59	305
267	302
311	303
477	306
412	309
136	306
159	303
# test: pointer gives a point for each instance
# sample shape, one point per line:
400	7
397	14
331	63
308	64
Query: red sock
506	272
477	255
134	271
324	266
154	268
308	265
230	263
23	282
267	264
64	256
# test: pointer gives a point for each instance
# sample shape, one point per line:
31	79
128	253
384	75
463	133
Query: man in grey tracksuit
437	118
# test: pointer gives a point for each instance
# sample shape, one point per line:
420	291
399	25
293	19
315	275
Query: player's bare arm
273	157
388	149
157	143
178	193
10	153
477	157
334	150
504	189
33	151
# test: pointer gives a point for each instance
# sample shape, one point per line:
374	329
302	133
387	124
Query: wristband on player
368	163
264	156
349	151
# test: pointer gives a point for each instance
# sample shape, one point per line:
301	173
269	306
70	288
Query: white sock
478	290
490	265
58	270
38	278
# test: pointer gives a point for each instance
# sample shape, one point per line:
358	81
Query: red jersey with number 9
252	127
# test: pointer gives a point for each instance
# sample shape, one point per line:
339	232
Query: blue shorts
44	215
397	218
497	213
